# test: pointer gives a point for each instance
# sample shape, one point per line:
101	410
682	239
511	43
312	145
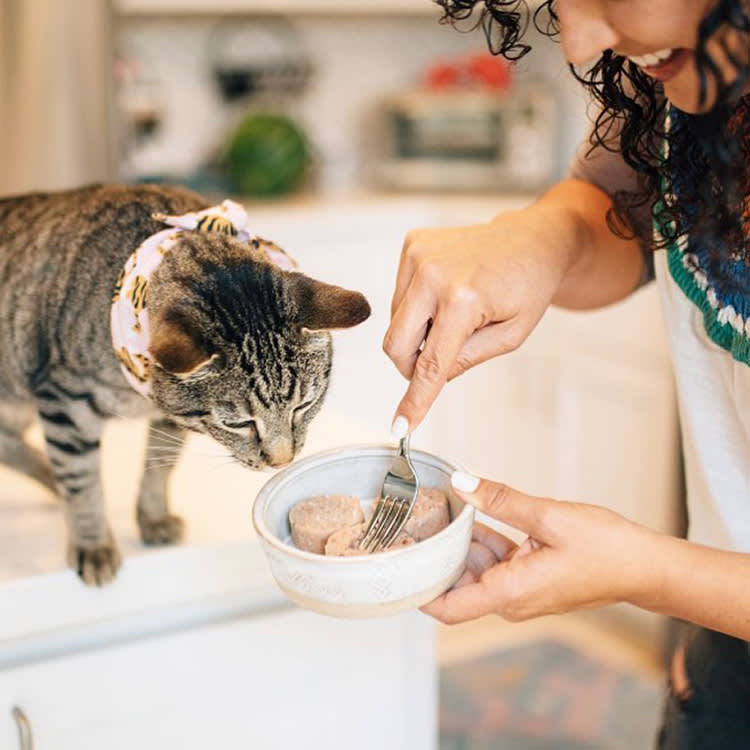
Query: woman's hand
467	294
575	556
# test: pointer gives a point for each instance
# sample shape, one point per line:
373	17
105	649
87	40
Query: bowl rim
342	453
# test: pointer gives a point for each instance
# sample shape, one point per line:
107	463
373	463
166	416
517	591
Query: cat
239	349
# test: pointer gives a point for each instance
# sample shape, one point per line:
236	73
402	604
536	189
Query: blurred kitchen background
341	124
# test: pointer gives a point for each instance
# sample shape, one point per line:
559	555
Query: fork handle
403	445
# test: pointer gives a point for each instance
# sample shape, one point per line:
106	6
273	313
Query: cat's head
241	348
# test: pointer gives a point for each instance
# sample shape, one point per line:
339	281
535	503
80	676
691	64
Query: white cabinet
381	7
277	682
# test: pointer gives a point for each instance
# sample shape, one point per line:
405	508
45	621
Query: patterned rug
546	696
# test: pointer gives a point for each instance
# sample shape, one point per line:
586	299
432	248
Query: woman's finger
500	545
529	545
485	343
406	266
409	326
452	325
478	560
461	604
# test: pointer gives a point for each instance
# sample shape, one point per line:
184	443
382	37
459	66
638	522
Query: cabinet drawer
278	682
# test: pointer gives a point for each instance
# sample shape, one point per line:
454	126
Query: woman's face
660	36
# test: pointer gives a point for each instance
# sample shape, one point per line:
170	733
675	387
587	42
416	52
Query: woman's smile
659	37
663	65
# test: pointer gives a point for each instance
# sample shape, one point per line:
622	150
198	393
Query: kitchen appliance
467	139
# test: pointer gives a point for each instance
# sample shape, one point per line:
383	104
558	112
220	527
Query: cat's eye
243	425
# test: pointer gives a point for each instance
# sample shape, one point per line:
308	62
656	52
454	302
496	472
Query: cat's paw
96	566
167	530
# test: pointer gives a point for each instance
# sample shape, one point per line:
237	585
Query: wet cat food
312	521
429	515
335	524
345	542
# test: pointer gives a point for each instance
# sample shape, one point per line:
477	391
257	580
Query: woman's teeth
651	59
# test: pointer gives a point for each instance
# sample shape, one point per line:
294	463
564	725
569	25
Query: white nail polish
400	428
464	482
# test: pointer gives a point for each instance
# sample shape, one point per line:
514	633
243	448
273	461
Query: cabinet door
280	682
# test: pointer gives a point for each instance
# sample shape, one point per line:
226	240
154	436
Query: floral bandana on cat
129	317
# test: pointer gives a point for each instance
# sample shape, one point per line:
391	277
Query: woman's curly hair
710	152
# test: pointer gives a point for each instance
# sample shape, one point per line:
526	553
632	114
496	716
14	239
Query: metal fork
393	508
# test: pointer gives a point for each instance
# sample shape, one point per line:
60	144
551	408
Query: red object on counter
480	69
490	71
442	75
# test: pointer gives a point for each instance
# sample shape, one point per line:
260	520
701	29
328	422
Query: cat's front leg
72	431
156	523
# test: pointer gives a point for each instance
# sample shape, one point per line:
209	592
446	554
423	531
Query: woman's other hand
575	556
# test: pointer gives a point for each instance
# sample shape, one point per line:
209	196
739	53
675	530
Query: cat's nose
279	452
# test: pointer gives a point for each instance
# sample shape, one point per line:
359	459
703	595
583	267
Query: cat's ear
176	346
323	306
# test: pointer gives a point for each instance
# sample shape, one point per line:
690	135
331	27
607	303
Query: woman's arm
700	584
606	268
579	556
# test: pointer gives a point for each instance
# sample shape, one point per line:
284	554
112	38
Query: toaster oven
468	140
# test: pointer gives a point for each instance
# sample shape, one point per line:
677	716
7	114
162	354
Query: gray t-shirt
608	171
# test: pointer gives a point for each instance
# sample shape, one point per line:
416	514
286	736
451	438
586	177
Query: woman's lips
669	68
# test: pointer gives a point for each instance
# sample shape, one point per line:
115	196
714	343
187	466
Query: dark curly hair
709	153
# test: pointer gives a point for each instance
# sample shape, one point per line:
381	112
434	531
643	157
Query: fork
394	505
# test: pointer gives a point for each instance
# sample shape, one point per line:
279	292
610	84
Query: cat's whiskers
228	462
159	465
155	432
162	454
160	435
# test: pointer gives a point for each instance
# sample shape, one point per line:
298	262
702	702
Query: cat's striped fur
241	349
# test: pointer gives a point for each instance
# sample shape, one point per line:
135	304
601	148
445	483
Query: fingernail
400	428
464	482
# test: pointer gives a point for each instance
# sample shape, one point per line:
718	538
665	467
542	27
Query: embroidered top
129	313
708	325
704	314
714	284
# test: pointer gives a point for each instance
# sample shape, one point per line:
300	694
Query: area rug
546	696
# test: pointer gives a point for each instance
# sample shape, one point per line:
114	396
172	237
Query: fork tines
388	519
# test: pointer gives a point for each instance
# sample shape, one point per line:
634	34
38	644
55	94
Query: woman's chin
689	101
683	92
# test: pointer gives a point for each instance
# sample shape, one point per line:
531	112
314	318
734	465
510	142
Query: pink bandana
129	316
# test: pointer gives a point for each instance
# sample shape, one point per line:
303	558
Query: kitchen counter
218	570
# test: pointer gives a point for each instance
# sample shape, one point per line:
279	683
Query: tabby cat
240	349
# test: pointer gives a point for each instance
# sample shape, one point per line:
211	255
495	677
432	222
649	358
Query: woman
664	190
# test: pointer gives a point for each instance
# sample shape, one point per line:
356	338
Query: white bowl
368	586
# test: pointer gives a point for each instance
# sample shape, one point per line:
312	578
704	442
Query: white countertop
218	571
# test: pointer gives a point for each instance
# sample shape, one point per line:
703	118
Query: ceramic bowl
362	586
